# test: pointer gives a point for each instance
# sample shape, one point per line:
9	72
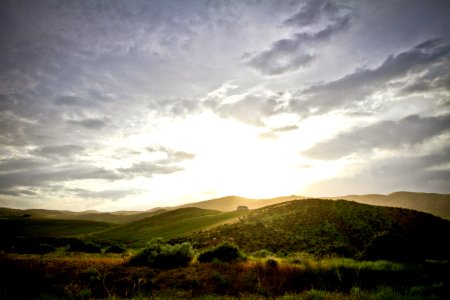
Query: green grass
30	227
343	228
167	225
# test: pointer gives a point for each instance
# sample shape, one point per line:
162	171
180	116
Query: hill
230	203
168	224
119	217
341	227
31	227
436	204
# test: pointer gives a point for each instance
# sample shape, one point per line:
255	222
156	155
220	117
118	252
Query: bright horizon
133	105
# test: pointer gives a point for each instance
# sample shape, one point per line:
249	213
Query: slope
167	225
436	204
341	227
31	227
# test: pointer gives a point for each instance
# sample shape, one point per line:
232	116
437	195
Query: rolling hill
342	227
230	203
436	204
168	224
32	227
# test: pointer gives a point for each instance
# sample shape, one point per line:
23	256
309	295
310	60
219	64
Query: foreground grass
297	277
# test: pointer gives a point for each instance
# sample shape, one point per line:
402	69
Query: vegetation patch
161	255
225	252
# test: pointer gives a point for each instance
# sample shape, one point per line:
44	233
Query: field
295	277
304	249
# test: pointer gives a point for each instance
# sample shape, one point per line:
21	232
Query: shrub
164	256
262	253
271	263
115	249
225	252
80	246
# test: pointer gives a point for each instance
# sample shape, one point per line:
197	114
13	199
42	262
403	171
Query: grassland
343	228
299	276
30	227
167	225
305	249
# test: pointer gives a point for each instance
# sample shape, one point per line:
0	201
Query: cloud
290	54
167	165
421	173
59	151
314	10
19	164
148	169
251	109
73	101
89	123
31	176
359	85
113	195
382	135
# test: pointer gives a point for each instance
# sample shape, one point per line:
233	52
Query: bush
225	252
80	246
115	249
164	256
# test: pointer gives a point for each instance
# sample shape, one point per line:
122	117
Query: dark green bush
164	256
271	263
115	249
80	246
225	252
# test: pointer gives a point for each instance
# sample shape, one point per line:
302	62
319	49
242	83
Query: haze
114	105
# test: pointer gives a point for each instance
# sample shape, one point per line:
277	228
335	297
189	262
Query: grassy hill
167	225
327	226
436	204
30	227
230	203
114	217
119	217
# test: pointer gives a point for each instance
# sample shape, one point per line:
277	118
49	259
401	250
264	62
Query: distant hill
436	204
342	227
230	203
167	224
118	217
34	227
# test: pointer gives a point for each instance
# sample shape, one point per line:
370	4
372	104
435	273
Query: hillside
119	217
167	225
328	226
436	204
30	227
230	203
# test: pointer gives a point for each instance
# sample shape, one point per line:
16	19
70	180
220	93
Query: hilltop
230	203
345	228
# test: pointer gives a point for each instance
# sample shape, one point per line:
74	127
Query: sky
129	105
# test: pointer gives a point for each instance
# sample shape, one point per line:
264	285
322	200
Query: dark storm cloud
290	54
382	135
356	87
